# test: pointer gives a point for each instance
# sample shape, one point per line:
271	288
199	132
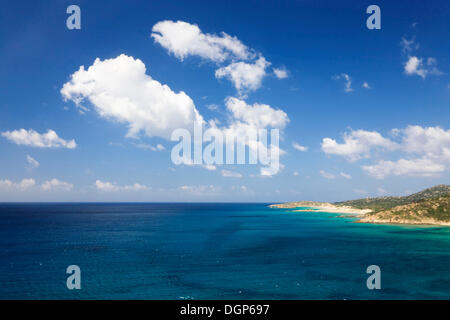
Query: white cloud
433	141
22	185
244	76
327	175
113	187
345	175
348	81
426	151
231	174
357	144
416	167
258	115
366	85
120	90
158	147
56	184
34	139
241	189
432	144
250	118
32	163
415	65
280	73
212	107
296	173
299	147
408	45
184	39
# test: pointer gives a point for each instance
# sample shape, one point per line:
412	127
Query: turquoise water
213	251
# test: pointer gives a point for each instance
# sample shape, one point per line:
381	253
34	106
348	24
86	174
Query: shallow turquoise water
213	251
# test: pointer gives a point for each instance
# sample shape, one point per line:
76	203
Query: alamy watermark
374	281
74	280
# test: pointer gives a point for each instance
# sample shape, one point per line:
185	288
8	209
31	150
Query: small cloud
56	184
158	147
280	73
212	107
32	163
200	190
299	147
348	81
231	174
408	45
22	185
296	173
32	138
345	175
366	85
327	175
113	187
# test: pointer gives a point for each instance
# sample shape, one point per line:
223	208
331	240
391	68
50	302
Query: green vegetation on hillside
435	210
386	203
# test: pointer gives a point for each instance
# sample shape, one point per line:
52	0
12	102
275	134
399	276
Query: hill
425	211
386	203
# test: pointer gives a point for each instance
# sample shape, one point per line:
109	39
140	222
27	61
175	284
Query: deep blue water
213	251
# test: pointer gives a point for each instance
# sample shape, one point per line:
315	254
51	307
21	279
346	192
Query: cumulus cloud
32	138
280	73
113	187
258	115
327	175
415	167
299	147
357	144
244	76
365	85
120	90
426	151
251	118
56	184
246	68
183	39
231	174
22	185
32	163
414	65
347	79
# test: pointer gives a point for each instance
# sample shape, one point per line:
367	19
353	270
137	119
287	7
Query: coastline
423	222
320	207
343	210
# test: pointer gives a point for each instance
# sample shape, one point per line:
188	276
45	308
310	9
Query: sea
187	251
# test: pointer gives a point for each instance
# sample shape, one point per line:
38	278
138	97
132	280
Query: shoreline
319	207
345	210
362	215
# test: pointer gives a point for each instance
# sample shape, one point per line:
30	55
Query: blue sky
390	137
